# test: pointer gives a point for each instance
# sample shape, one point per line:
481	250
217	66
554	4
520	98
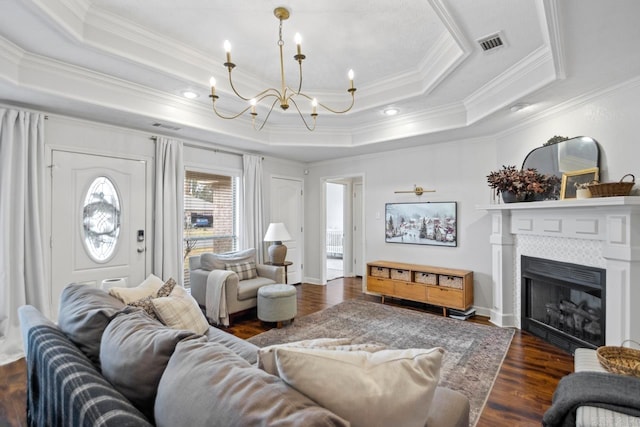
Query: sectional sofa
107	363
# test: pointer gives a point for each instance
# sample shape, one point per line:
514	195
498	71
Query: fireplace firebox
563	303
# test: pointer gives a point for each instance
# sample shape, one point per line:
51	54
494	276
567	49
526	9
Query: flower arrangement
524	184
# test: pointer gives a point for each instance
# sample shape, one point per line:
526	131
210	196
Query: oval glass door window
101	219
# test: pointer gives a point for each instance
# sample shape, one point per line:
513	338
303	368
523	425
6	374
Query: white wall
457	171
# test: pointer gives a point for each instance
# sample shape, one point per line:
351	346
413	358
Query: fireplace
599	232
563	303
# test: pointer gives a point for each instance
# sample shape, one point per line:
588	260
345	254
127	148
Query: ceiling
128	62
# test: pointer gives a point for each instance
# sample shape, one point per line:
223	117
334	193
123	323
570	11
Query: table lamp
277	233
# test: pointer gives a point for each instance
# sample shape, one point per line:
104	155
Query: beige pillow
211	261
266	355
244	270
385	388
147	288
180	311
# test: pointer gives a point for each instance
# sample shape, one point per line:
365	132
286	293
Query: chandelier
285	96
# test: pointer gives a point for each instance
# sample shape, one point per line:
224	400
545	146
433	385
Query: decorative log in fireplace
563	303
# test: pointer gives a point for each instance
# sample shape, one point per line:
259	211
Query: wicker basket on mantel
610	189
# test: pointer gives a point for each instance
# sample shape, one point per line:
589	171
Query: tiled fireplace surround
599	232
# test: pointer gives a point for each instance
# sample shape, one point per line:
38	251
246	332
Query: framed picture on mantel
425	223
571	180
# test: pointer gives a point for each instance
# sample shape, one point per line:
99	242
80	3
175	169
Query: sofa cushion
249	288
180	311
85	312
134	353
210	261
242	348
393	387
244	270
206	384
267	355
149	287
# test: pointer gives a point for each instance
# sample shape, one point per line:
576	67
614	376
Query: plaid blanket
65	389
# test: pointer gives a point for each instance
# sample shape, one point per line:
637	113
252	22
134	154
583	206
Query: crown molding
10	58
70	15
532	73
550	19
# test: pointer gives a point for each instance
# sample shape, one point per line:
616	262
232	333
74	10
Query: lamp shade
277	232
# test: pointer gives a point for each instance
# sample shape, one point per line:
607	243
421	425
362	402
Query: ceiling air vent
163	126
491	42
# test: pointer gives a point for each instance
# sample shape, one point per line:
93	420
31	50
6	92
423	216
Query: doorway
335	230
343	245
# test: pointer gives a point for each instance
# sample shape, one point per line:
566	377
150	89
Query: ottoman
277	303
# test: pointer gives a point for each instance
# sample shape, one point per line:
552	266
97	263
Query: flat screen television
422	223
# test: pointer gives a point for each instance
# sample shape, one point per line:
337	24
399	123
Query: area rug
474	353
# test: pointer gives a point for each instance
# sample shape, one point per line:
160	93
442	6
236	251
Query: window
210	213
101	219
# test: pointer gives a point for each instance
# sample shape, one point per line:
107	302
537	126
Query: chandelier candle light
285	95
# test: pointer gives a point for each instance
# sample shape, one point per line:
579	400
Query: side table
285	264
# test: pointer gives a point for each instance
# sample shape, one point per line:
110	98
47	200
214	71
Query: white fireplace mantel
608	226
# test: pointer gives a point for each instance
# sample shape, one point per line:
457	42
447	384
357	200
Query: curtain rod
217	150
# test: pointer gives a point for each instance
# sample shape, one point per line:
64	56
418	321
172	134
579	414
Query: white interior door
286	207
97	222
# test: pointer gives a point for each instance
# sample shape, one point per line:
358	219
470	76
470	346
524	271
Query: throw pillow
393	387
84	313
135	350
266	355
180	311
207	384
244	270
145	304
210	261
149	287
165	290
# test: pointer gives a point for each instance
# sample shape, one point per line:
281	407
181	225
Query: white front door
97	221
286	207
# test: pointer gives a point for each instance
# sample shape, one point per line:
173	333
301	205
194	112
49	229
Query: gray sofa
240	295
106	364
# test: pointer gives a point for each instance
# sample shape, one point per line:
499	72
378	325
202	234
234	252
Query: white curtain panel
23	266
253	218
168	211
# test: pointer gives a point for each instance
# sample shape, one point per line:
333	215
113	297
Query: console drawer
447	297
380	285
411	291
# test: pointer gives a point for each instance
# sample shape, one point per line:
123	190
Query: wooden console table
445	287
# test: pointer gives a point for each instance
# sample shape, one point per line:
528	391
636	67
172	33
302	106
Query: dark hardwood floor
520	396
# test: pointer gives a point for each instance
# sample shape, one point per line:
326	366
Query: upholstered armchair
228	283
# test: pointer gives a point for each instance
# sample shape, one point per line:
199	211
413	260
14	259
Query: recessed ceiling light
517	107
390	111
189	94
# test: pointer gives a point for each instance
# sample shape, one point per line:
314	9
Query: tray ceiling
127	63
